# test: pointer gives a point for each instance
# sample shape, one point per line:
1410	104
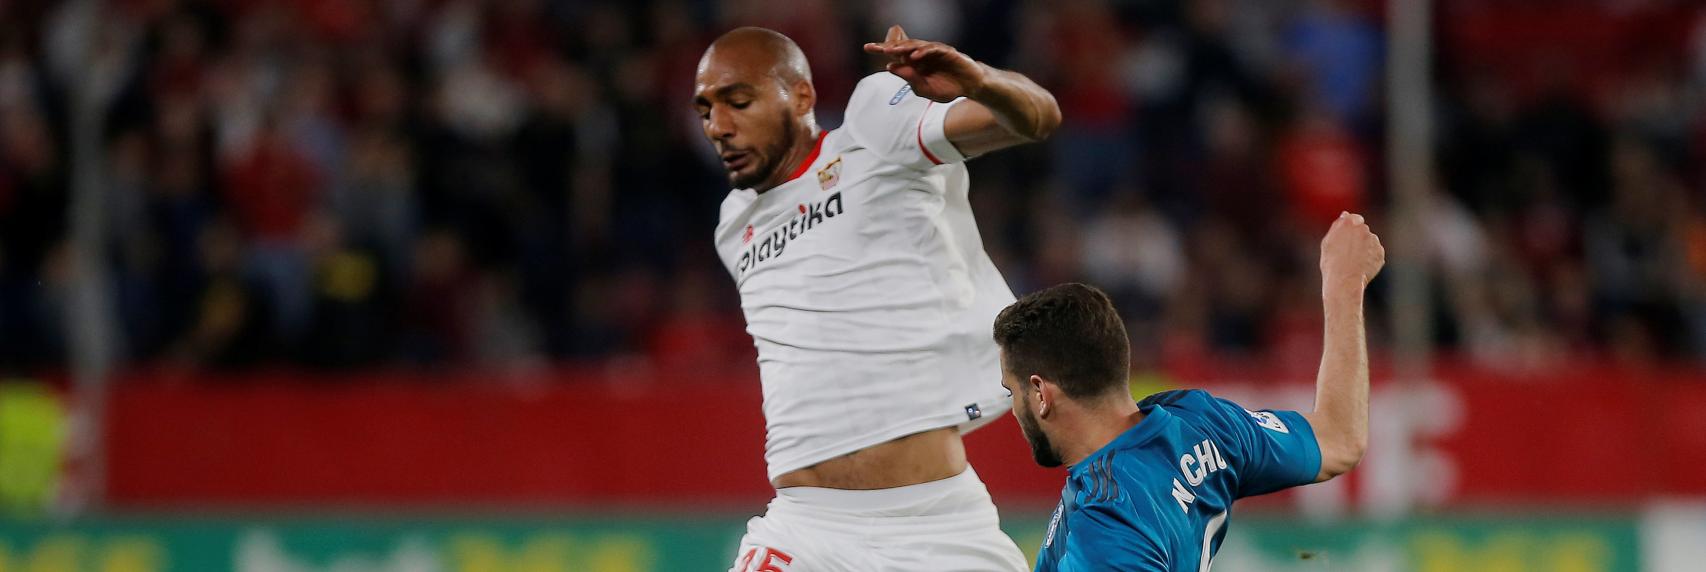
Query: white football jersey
865	285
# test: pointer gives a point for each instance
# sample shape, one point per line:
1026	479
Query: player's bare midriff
917	458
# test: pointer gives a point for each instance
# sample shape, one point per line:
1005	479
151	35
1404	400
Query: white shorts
938	526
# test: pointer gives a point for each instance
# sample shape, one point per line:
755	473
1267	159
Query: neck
1094	427
796	155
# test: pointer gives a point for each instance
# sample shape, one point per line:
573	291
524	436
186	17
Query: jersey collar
812	158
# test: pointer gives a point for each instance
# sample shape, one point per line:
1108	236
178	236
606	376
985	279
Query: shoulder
736	201
881	88
902	128
1198	408
880	101
1174	398
1200	405
734	208
1192	404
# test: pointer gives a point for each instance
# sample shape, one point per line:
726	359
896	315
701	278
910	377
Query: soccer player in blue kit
1151	483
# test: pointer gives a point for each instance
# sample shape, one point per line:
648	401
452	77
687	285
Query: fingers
903	47
927	50
894	50
891	44
1372	244
1353	227
1351	220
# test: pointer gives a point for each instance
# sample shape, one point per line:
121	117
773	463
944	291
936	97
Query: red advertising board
1577	436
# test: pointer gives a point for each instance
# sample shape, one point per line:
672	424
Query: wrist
978	84
1342	295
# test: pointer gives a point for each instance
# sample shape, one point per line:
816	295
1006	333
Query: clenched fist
935	70
1351	255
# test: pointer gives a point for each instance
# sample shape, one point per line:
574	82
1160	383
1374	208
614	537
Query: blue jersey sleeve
1273	450
1100	538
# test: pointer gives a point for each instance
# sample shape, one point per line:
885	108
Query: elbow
1343	455
1353	453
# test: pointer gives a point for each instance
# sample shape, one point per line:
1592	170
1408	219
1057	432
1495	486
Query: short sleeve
1272	449
1099	538
886	117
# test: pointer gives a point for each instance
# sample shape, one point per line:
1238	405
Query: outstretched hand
935	70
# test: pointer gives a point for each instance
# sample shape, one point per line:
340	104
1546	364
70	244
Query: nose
721	125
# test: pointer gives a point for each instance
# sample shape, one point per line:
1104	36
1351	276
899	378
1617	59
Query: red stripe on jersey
921	147
807	164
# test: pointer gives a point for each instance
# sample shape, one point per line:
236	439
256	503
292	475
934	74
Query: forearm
1341	388
1019	105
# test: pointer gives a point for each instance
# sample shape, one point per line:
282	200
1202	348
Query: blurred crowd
360	183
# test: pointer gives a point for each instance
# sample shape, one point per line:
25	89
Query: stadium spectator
367	184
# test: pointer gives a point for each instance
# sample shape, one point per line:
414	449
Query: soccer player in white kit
869	296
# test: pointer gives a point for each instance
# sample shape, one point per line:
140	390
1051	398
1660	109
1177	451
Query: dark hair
1069	334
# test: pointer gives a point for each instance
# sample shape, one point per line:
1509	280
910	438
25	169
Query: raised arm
1351	256
1004	108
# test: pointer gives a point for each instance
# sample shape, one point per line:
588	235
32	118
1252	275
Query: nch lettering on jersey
1207	459
1184	463
777	240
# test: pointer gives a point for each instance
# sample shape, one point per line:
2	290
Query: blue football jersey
1160	495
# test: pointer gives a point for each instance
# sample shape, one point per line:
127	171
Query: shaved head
762	48
753	92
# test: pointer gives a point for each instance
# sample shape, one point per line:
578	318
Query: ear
1047	392
805	98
